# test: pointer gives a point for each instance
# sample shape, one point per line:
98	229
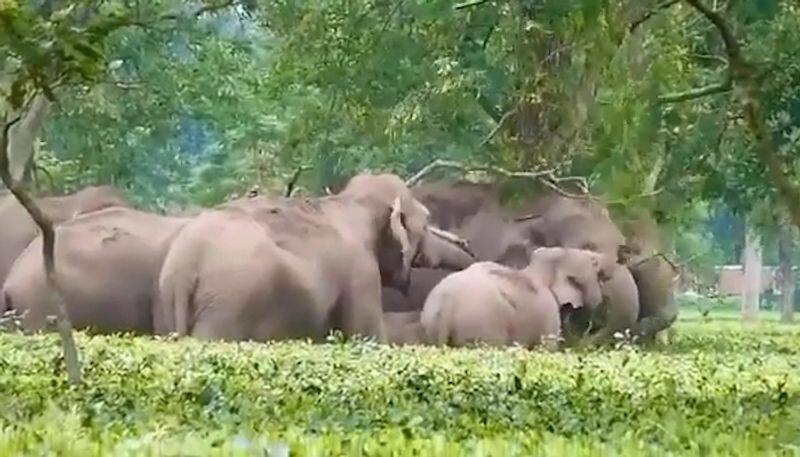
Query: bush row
710	386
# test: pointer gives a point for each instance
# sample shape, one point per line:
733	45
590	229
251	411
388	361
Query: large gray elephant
17	229
473	211
654	276
496	305
272	269
618	312
107	264
580	223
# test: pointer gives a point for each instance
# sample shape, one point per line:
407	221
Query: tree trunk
785	274
751	289
44	223
24	134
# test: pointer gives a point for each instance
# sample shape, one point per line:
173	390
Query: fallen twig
451	238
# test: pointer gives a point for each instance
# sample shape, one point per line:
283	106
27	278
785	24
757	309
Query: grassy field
718	388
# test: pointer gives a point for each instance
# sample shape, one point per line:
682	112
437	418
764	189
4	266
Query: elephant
281	268
422	281
618	311
107	264
18	229
473	211
580	223
496	305
654	276
404	328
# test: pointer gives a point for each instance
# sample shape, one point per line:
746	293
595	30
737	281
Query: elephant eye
574	281
589	246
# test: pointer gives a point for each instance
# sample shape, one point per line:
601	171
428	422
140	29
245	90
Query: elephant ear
567	291
399	229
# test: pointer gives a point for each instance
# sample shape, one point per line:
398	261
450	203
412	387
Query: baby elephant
498	306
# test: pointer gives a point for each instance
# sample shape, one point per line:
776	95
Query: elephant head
405	234
575	223
573	275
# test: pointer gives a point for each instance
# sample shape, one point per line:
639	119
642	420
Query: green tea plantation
716	388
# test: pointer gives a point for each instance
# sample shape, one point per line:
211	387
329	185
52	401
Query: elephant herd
441	263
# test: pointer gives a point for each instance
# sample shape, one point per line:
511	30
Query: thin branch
213	8
675	267
545	177
469	4
500	126
293	181
649	14
451	238
488	36
205	9
725	86
441	163
627	201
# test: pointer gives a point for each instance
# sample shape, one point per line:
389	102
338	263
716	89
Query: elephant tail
183	297
442	335
5	302
176	297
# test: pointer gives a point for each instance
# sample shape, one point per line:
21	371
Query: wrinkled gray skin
273	269
17	229
495	305
404	328
107	264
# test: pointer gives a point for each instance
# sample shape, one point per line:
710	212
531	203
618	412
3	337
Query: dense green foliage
188	104
717	389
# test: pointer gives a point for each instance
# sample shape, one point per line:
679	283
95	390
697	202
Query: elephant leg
649	327
359	311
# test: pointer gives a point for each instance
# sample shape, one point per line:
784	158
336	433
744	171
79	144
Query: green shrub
715	390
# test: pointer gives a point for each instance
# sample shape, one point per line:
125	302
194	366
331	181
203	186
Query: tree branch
213	8
731	45
501	124
293	181
725	86
742	74
469	4
545	177
45	224
650	13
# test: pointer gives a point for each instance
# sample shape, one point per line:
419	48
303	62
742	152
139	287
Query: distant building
731	279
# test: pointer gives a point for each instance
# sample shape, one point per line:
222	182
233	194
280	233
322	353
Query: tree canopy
190	103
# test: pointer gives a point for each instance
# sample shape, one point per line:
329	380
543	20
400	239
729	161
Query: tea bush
715	390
